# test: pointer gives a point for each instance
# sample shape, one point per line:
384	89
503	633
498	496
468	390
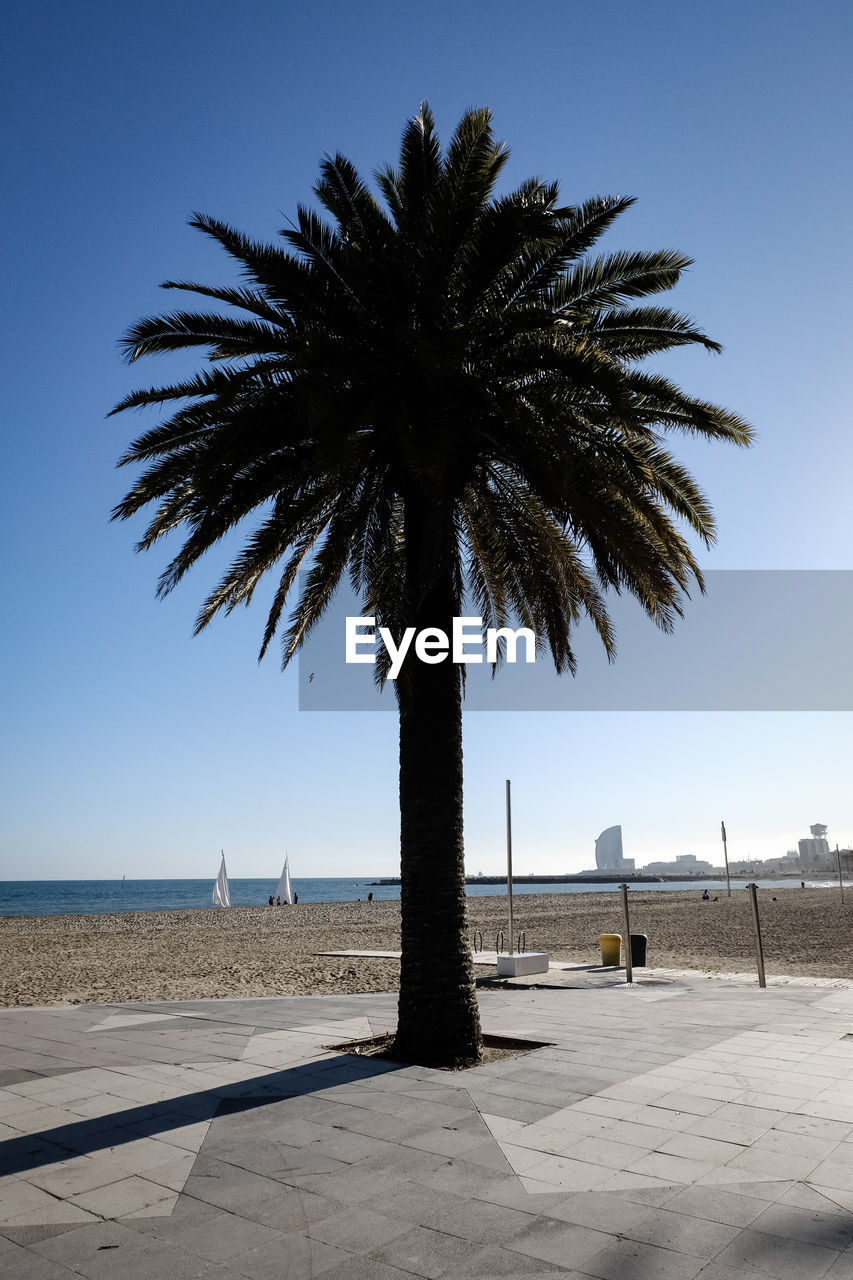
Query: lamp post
509	862
726	859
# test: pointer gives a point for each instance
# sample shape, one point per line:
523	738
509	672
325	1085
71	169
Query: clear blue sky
130	747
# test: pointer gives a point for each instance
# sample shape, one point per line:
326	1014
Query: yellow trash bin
611	948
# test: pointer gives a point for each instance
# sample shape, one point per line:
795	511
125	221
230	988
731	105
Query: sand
268	951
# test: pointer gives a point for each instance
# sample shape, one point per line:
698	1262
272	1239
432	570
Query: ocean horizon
101	897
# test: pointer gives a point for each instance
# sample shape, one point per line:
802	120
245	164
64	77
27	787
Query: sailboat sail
221	893
283	889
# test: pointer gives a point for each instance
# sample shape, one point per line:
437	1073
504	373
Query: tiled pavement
680	1128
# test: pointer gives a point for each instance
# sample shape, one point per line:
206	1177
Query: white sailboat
283	889
221	892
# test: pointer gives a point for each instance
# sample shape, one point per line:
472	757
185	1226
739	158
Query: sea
98	897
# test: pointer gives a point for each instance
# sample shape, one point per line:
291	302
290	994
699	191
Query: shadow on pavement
84	1137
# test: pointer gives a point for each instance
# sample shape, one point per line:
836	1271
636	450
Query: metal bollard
629	972
756	925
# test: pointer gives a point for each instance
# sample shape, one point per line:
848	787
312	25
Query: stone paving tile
842	1154
784	1259
565	1244
270	1159
351	1185
569	1174
684	1233
641	1188
811	1126
632	1260
805	1146
807	1196
566	1125
107	1250
408	1162
523	1159
606	1107
362	1267
608	1153
448	1140
716	1271
359	1230
510	1108
672	1168
660	1117
292	1255
70	1177
842	1268
28	1266
830	1230
465	1188
648	1137
728	1127
20	1199
473	1219
466	1179
692	1146
497	1263
427	1252
746	1184
292	1209
682	1100
717	1204
218	1236
228	1186
759	1162
126	1195
598	1210
357	1119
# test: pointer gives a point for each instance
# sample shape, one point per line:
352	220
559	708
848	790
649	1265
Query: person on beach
271	901
370	897
706	897
295	899
278	902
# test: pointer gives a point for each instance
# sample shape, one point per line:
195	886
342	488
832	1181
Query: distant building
814	852
746	867
686	864
608	852
788	865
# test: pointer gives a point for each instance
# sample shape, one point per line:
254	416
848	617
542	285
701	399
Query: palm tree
441	398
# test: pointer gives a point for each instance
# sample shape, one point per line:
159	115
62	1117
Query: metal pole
840	881
509	862
629	972
726	857
759	952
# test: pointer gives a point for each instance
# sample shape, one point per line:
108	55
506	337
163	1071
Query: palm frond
441	396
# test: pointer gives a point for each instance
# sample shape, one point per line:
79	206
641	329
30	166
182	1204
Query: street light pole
509	863
726	857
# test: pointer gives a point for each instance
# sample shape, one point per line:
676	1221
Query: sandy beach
266	951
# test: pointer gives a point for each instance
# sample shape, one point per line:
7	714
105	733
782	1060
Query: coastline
265	951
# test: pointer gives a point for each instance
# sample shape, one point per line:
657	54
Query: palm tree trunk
438	1020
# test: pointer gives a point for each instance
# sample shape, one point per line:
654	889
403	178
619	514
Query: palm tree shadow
86	1137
